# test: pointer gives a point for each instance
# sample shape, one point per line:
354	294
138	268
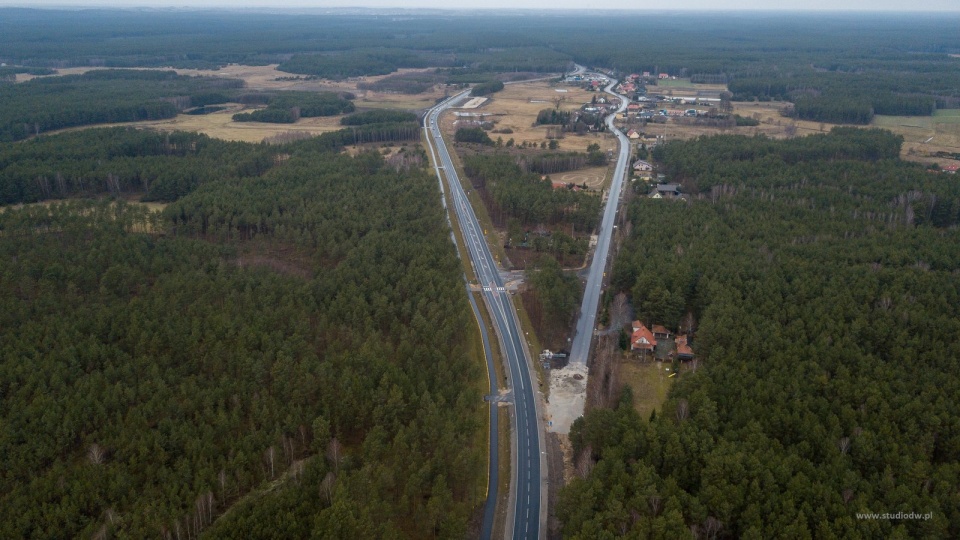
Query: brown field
516	107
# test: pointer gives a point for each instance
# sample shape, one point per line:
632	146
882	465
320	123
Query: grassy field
947	115
672	83
680	86
925	135
516	107
649	381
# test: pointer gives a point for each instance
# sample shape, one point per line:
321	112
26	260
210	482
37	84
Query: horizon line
384	8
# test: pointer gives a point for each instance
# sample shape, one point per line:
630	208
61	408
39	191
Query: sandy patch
568	392
221	125
473	103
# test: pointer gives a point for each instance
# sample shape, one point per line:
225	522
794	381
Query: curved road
580	351
527	470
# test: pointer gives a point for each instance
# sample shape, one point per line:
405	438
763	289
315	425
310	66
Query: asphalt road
527	457
580	351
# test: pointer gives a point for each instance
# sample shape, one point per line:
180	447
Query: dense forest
508	193
102	96
819	275
297	322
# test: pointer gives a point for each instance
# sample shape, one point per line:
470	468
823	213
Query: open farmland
516	107
924	136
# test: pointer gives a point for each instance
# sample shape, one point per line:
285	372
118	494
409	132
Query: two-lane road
580	351
526	469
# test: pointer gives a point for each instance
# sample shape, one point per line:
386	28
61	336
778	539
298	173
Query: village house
661	332
684	352
641	165
664	76
642	339
665	191
633	134
951	169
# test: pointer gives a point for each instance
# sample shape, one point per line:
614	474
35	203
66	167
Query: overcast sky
805	5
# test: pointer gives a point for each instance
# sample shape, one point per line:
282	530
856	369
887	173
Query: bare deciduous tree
683	410
844	445
96	454
296	470
334	450
270	456
711	527
655	502
585	462
222	478
619	311
326	487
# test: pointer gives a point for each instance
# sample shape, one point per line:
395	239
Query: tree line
100	96
288	107
485	88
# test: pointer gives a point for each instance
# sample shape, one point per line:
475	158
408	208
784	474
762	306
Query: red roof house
660	332
684	352
642	338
